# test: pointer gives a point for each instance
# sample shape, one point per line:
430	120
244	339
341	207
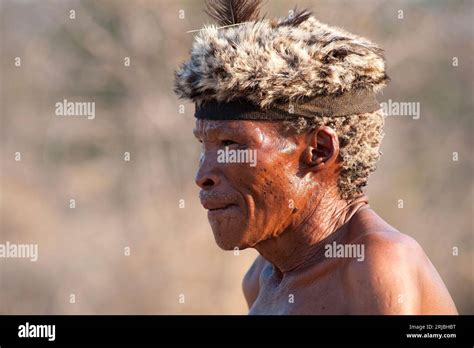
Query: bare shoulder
250	284
395	276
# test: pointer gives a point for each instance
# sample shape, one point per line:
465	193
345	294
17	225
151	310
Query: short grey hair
359	142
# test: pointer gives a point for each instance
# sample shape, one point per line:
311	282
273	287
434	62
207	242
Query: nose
206	176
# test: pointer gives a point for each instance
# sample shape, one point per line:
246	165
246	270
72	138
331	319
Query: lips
222	208
226	212
215	205
217	202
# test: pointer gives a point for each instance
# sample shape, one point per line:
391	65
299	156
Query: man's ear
323	148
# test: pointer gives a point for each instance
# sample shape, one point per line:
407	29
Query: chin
229	229
230	244
229	239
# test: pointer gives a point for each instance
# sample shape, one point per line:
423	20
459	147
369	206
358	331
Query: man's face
250	202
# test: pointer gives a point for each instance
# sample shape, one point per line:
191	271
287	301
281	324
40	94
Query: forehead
212	128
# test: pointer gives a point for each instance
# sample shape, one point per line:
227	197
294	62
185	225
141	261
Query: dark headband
353	103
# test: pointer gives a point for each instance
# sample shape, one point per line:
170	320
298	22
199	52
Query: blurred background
150	204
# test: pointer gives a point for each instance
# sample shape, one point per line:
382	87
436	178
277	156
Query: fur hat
265	64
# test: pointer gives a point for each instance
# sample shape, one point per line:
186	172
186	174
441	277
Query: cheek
274	196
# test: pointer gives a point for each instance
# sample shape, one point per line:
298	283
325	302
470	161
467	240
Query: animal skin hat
295	66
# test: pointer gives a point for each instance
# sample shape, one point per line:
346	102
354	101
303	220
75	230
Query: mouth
219	203
229	209
222	208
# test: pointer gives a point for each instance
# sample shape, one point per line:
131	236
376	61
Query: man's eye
228	142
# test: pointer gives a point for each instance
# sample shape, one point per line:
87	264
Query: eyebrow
212	131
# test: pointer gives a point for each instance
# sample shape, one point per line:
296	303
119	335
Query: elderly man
300	96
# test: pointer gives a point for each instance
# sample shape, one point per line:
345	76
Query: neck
299	244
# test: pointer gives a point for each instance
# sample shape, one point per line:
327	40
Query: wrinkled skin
288	207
